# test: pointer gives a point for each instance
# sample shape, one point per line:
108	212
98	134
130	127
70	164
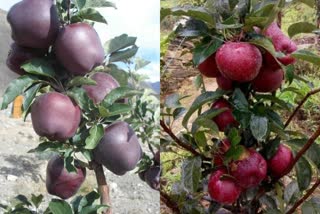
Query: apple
55	116
119	149
209	67
105	83
268	80
279	163
34	23
78	48
224	83
18	55
223	189
60	182
152	177
250	169
224	119
223	147
239	61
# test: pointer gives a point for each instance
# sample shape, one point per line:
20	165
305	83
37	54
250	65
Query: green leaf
173	101
271	148
198	13
300	27
310	3
311	207
119	74
264	43
57	206
204	50
199	102
23	199
114	109
79	81
234	136
95	134
36	200
46	146
268	201
178	112
81	98
16	88
80	3
235	152
92	209
118	93
304	173
291	192
274	99
123	54
40	67
239	100
118	43
191	173
259	127
140	63
88	14
307	56
200	139
28	98
98	3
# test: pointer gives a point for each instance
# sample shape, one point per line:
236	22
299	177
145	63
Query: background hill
5	40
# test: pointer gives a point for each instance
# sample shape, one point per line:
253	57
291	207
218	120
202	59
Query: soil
24	173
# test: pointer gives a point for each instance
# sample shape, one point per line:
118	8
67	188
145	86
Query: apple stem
103	187
310	93
180	143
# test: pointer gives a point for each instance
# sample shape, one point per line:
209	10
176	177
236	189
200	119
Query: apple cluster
233	65
152	174
76	49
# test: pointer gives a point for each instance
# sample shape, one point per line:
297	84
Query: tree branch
180	143
165	198
310	93
301	200
103	187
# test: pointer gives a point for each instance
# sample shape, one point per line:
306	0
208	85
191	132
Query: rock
12	177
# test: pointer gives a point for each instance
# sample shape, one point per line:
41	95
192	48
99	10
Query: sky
138	18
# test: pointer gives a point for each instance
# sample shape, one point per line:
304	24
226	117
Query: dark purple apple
152	177
279	163
34	23
60	182
250	169
224	83
224	119
79	49
268	80
55	116
239	61
209	67
224	190
119	149
18	55
105	83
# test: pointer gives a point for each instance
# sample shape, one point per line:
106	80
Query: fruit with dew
209	67
279	163
281	43
224	83
239	61
224	119
104	84
152	177
78	48
34	23
250	169
119	149
18	55
222	188
60	182
55	116
268	80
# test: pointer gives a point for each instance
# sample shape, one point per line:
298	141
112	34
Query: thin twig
301	200
180	143
166	199
310	93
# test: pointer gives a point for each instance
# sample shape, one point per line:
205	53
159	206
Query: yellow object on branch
17	107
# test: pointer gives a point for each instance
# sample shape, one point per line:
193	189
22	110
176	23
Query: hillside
5	41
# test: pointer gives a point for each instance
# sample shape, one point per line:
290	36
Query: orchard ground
24	173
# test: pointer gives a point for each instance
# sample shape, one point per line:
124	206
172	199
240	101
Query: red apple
268	80
60	182
209	67
250	169
278	164
224	83
239	61
224	190
224	119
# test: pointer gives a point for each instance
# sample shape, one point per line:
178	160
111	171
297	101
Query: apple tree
86	100
236	151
